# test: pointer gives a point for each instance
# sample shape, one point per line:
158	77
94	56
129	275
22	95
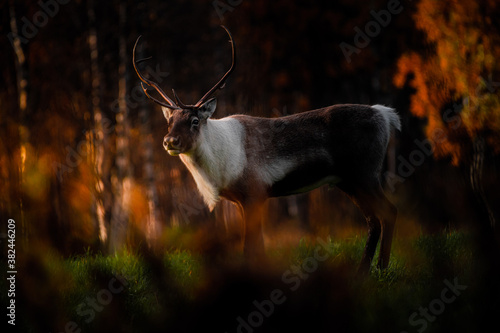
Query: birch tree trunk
22	91
98	139
152	219
122	181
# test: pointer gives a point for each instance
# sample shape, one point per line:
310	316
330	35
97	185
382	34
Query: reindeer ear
207	109
167	113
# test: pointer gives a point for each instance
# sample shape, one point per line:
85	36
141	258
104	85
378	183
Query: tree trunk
152	219
488	263
99	137
122	181
22	90
476	180
484	225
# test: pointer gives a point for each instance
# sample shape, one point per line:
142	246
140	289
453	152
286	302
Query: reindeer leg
253	247
371	243
380	214
365	197
387	212
365	204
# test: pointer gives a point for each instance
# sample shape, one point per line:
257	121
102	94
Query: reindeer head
184	121
184	125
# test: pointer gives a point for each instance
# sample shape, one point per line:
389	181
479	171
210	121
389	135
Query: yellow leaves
404	68
437	131
425	19
483	115
79	196
22	154
139	209
412	64
464	49
37	170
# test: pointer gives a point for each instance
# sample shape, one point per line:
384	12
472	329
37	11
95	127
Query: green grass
413	279
166	290
178	273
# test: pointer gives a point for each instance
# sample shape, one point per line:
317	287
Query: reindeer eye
195	122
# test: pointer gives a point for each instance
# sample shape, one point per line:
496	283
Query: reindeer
248	159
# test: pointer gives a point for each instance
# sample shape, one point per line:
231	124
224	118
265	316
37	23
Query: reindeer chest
219	159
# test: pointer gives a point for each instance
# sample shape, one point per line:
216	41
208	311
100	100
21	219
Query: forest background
83	172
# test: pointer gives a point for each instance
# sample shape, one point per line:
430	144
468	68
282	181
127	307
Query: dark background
80	171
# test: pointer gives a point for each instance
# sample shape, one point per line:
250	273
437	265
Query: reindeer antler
222	81
171	104
178	103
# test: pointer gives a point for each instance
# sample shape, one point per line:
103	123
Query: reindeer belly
304	178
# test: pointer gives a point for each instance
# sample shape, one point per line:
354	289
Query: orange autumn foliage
458	69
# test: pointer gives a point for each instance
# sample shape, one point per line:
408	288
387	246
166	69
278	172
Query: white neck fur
219	158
